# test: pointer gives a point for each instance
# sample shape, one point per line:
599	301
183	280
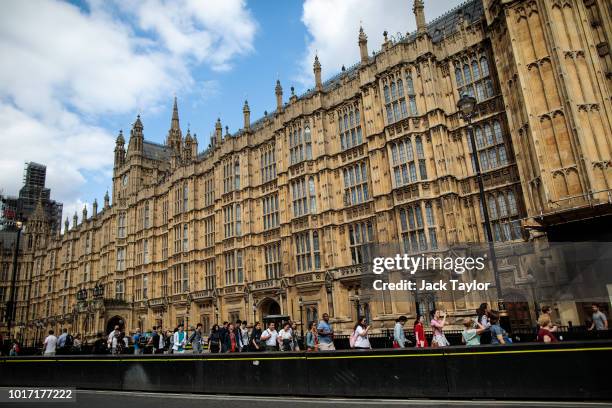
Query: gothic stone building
281	214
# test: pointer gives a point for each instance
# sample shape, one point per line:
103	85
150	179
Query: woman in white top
361	335
285	338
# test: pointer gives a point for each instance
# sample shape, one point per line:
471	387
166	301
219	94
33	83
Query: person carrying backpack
359	338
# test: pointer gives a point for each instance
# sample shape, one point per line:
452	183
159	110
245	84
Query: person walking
50	345
214	339
285	338
437	324
546	331
359	338
244	336
179	340
498	334
224	336
234	338
76	347
326	334
196	339
419	332
470	336
255	339
238	335
113	341
399	337
270	336
295	340
312	338
15	349
600	321
136	339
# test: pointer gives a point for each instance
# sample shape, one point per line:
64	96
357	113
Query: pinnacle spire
175	115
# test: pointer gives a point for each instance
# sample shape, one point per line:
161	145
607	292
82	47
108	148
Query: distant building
21	208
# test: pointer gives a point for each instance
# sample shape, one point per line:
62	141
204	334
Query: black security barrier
557	371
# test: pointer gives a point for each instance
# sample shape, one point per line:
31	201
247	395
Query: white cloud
333	27
65	69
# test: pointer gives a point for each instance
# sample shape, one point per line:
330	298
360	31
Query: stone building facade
280	216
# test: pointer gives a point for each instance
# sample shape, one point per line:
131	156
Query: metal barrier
560	371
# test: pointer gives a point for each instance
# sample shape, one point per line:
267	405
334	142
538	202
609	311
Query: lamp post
254	313
301	303
10	305
536	306
357	307
466	106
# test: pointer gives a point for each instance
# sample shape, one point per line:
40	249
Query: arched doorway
115	321
269	307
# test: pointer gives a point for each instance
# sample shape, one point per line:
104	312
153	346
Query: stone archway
268	307
115	321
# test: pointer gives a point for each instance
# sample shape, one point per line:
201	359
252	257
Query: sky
74	73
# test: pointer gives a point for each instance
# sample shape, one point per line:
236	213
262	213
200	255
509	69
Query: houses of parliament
280	218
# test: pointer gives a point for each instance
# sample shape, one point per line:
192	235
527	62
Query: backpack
69	340
353	339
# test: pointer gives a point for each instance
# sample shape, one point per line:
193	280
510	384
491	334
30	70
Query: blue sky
74	73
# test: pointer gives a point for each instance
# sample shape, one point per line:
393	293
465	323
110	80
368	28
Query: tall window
268	164
181	278
121	227
300	143
504	216
234	270
119	289
185	197
473	77
404	162
164	283
303	195
121	259
349	126
231	175
308	253
232	220
209	189
86	274
147	215
490	144
399	99
273	261
185	238
270	211
165	211
178	200
164	246
209	274
209	231
145	287
356	184
361	236
145	251
416	234
178	236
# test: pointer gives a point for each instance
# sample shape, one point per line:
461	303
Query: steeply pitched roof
156	151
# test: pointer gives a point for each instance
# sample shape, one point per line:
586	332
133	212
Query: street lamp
466	106
531	280
10	305
301	303
254	313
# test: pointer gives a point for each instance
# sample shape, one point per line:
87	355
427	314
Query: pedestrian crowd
236	337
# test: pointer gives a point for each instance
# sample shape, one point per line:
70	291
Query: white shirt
273	337
112	339
285	334
244	336
361	341
50	344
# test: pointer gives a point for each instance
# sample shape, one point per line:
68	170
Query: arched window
429	214
340	123
387	97
475	70
351	119
498	132
479	138
512	203
237	174
394	153
410	84
484	65
311	193
501	202
458	77
467	74
357	117
400	88
346	122
488	134
419	147
393	91
492	207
